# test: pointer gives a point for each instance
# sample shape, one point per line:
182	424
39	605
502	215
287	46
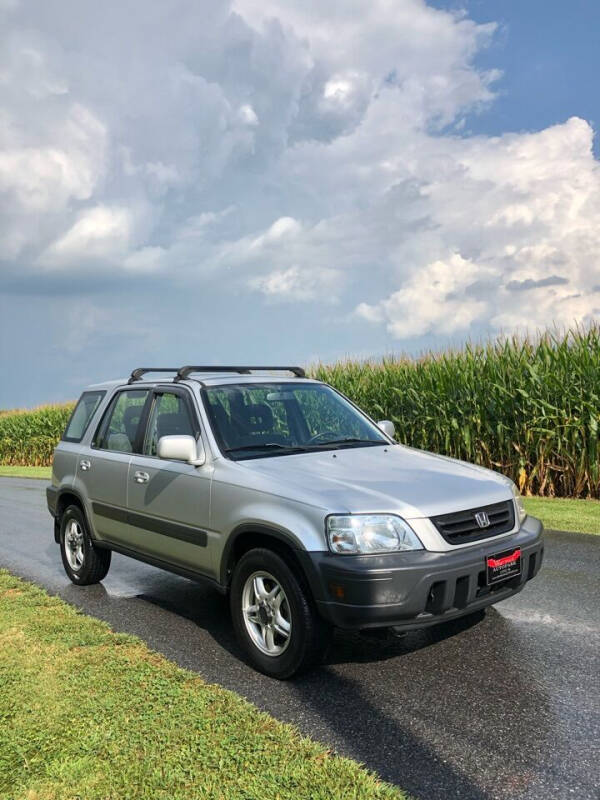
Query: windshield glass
273	419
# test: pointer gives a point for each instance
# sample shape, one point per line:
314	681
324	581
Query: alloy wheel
266	613
74	545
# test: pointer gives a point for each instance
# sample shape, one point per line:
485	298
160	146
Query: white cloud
99	233
433	299
248	115
282	228
43	172
300	149
526	209
296	284
424	52
42	178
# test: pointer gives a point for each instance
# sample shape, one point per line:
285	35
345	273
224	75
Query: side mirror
387	427
182	448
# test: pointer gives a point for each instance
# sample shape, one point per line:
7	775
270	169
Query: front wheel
83	563
274	616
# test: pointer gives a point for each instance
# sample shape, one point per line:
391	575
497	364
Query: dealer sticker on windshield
502	566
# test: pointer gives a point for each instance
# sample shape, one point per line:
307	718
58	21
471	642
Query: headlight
370	533
521	513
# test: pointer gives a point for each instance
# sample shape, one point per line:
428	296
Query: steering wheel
317	436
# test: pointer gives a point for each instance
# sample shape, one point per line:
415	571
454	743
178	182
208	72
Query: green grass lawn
24	472
88	713
560	515
566	515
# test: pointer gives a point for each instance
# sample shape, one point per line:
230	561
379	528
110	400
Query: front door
168	501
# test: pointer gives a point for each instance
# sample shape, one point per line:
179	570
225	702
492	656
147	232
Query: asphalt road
506	707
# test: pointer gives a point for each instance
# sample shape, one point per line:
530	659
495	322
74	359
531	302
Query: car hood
412	483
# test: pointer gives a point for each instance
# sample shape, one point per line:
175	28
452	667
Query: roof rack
181	373
137	374
184	372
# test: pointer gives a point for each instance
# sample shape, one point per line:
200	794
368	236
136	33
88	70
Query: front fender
237	510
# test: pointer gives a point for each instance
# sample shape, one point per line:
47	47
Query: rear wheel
83	563
274	616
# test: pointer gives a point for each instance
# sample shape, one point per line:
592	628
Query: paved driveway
507	707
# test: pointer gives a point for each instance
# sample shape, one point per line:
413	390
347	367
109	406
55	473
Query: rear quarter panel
64	464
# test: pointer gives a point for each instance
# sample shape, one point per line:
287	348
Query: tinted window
169	416
247	414
253	420
325	411
118	429
83	413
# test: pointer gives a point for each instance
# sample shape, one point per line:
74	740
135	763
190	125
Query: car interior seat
256	424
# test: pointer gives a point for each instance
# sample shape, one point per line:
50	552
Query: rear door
169	501
103	467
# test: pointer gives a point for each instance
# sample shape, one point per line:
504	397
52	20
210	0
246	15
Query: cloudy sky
276	180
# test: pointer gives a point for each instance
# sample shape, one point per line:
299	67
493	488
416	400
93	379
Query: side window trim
156	392
108	411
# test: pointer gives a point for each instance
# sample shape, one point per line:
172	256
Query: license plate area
503	566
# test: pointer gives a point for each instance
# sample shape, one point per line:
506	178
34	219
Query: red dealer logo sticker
503	566
500	562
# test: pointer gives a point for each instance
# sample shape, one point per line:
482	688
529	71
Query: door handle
85	464
141	477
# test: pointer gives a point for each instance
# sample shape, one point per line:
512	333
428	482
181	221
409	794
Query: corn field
529	408
29	437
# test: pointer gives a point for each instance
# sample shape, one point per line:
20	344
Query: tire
308	635
84	564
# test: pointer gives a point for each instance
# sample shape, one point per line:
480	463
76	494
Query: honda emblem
482	519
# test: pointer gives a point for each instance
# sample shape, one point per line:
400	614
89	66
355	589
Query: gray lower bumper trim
413	590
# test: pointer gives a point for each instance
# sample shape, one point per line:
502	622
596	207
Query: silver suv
285	495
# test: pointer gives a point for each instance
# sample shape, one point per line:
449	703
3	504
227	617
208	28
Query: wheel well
65	500
251	539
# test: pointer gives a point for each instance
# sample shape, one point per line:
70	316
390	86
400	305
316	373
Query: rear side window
118	429
81	416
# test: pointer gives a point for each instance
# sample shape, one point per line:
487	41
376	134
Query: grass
88	713
566	515
25	472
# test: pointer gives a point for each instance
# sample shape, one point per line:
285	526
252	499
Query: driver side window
169	416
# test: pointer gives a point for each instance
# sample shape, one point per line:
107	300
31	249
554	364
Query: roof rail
181	373
184	372
136	375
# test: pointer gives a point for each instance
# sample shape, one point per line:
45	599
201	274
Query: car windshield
272	419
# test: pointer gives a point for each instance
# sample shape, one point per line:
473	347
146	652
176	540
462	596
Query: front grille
461	527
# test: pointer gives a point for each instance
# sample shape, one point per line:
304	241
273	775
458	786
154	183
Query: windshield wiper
350	440
289	448
296	448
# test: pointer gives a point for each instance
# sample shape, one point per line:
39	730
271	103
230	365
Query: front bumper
417	589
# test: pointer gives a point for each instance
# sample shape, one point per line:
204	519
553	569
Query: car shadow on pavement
460	719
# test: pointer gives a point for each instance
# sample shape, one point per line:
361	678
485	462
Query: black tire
95	562
310	634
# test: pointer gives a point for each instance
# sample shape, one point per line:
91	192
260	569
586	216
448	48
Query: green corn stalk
529	407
